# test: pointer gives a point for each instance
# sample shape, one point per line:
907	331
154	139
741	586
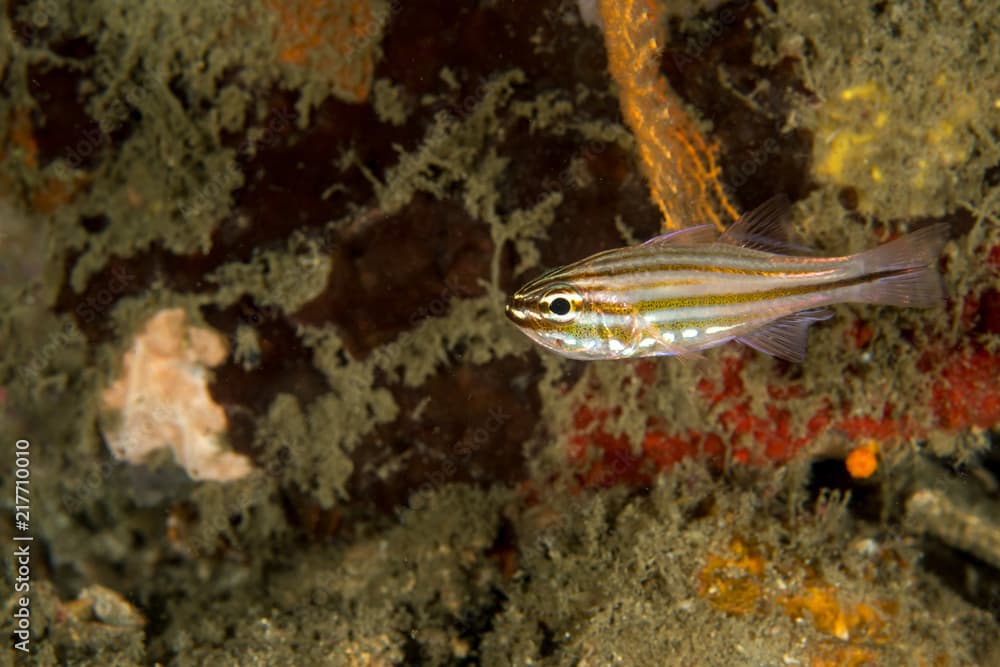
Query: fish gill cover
341	195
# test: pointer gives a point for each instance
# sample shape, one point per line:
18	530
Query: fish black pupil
559	306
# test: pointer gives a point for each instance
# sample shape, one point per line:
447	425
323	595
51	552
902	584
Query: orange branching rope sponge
678	163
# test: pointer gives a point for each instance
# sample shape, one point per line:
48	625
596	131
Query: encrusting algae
746	580
337	38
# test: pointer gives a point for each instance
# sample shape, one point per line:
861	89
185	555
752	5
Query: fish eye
560	304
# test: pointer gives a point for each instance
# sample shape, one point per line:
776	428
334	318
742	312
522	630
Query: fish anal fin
788	337
765	228
687	236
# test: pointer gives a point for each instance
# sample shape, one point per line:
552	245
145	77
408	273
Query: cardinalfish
694	289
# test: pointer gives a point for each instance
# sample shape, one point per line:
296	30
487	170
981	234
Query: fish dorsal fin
687	236
787	338
764	228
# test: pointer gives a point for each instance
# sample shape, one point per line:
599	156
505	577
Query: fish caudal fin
904	271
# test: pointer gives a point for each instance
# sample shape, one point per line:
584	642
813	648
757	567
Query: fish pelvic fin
904	272
788	337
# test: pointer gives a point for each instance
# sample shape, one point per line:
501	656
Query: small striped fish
691	290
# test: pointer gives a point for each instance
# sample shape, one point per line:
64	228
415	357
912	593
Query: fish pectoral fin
689	355
665	347
765	228
689	236
788	337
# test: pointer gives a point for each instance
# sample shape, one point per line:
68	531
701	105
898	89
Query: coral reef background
343	192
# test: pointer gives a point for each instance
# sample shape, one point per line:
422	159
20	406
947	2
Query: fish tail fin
904	271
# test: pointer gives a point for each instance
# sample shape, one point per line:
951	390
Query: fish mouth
515	314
